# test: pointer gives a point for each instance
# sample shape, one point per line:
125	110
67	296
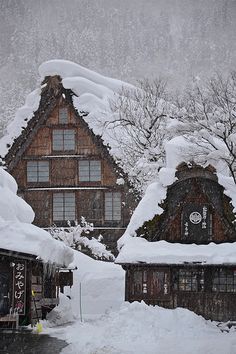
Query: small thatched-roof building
179	249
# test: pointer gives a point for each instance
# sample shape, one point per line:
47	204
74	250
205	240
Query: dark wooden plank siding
218	306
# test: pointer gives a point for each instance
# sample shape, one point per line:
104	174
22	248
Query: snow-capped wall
18	234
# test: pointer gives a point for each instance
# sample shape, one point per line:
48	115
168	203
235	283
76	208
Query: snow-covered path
111	326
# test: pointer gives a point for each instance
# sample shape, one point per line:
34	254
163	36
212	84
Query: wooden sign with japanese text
19	287
196	223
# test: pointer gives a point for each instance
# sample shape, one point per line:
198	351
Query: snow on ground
18	234
112	326
102	285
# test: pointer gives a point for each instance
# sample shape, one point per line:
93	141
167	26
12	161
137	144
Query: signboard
66	278
196	222
19	287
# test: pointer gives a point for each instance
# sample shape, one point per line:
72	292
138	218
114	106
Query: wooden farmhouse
65	172
186	255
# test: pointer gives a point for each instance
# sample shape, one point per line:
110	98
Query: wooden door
4	292
159	284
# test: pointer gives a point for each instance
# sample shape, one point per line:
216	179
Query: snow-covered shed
29	259
179	249
64	161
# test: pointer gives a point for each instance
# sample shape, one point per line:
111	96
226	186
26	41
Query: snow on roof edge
139	250
22	117
149	206
66	68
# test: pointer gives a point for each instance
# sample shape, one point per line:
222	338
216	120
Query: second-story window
64	206
112	206
38	171
63	115
90	171
63	140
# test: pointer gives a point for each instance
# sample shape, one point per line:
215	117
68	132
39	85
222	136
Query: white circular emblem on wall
195	217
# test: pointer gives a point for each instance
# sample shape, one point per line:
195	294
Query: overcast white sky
129	40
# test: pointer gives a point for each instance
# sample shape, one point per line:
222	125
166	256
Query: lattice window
63	139
38	171
90	171
139	282
224	280
64	206
112	206
190	280
63	115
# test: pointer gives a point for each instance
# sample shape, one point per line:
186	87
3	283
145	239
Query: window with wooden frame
89	170
92	206
64	206
37	171
63	115
224	280
96	207
139	283
112	206
63	139
190	280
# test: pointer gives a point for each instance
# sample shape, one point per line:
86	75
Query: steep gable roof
89	107
51	93
88	92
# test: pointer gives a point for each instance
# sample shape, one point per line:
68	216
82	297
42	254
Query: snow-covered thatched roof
92	93
134	249
17	234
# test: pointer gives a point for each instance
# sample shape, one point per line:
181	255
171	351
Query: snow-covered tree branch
208	119
74	237
142	115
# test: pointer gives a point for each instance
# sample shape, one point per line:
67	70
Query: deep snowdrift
18	234
102	286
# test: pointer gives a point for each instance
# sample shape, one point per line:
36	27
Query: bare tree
140	119
207	116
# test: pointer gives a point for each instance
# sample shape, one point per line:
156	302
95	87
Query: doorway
4	292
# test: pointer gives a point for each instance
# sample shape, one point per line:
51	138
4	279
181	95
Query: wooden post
80	300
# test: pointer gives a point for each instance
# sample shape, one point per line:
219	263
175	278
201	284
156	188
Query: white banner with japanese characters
19	287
